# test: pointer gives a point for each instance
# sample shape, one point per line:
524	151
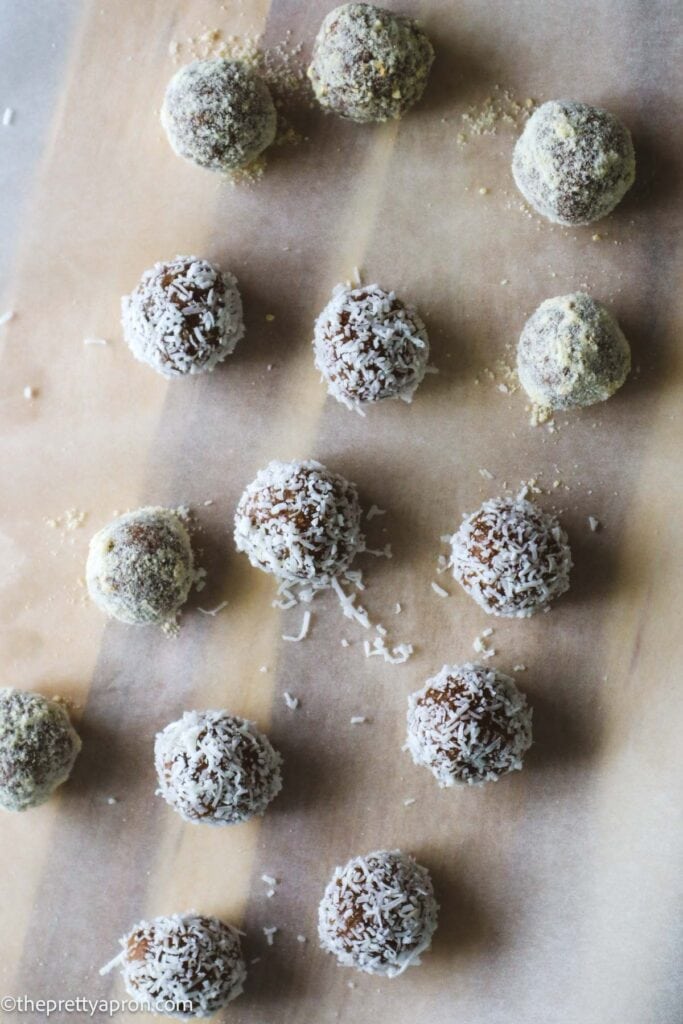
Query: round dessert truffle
185	316
187	966
369	64
300	521
38	747
216	768
573	162
469	724
378	913
511	557
140	567
218	114
572	352
369	345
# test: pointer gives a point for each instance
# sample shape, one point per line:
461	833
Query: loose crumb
7	316
270	933
594	523
291	702
30	392
213	611
374	510
439	590
358	720
8	117
409	801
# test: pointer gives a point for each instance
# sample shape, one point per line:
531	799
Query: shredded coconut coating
378	913
191	961
216	768
572	352
511	557
140	567
38	747
368	346
369	64
300	521
219	114
468	724
185	316
573	162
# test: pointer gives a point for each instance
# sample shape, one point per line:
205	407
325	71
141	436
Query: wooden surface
559	887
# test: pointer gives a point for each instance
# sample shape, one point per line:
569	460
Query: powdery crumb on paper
409	801
8	117
95	341
30	393
68	521
500	108
292	702
357	720
6	317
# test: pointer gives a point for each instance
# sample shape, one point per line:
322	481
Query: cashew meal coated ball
140	567
574	163
572	352
219	114
369	64
38	748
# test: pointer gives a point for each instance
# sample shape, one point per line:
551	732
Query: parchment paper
558	886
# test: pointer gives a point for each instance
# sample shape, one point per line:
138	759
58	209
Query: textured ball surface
184	317
140	567
300	521
573	162
511	557
216	768
369	64
369	346
469	724
572	353
38	747
378	913
218	114
188	964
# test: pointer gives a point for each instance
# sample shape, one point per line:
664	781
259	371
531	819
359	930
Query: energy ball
378	913
187	965
573	162
140	567
185	316
511	557
38	747
218	114
215	768
369	64
572	352
301	522
469	724
369	346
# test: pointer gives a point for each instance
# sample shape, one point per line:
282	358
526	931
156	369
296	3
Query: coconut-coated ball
184	317
378	913
38	747
300	521
468	724
369	345
511	557
573	162
216	768
369	64
140	566
186	965
219	114
572	352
